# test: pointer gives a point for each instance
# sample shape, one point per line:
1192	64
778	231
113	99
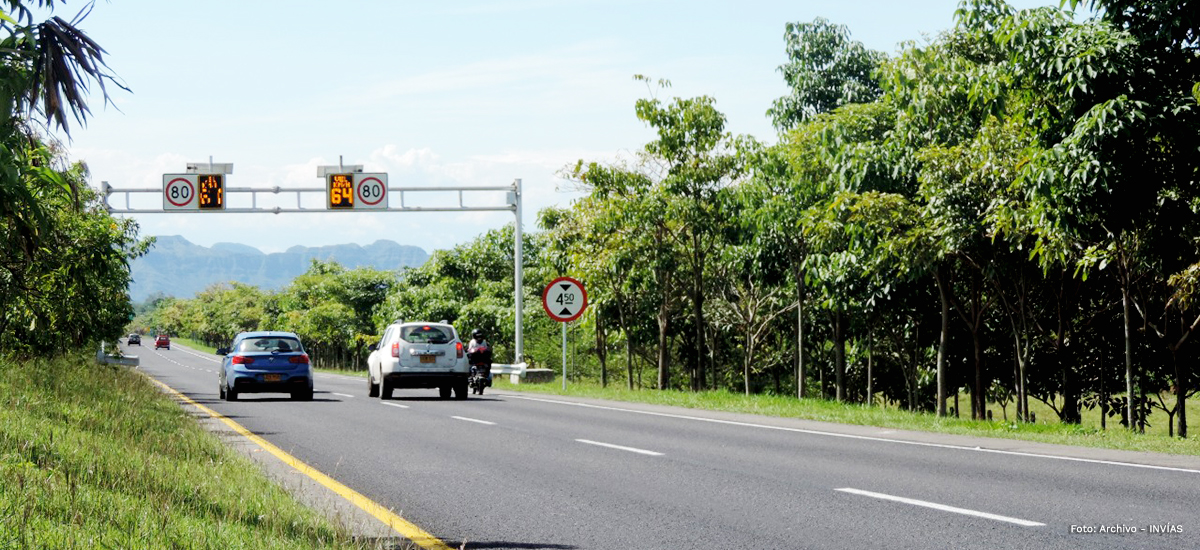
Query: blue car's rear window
273	343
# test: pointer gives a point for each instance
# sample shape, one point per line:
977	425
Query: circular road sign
564	299
372	192
179	191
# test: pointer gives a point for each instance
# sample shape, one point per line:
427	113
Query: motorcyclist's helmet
477	334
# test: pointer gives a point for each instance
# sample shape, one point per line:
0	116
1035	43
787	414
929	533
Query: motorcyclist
479	352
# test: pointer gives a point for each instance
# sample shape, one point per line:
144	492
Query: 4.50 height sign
564	299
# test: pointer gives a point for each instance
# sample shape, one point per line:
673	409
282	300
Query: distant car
162	341
418	355
134	340
266	361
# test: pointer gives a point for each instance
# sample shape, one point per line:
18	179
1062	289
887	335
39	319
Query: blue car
267	361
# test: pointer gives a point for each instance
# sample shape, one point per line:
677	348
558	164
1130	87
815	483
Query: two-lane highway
524	471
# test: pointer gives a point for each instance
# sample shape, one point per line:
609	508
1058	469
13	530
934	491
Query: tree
693	159
825	70
56	241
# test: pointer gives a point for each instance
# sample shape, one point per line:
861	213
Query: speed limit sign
372	191
179	191
564	299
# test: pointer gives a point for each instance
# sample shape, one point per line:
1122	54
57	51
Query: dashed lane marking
942	507
620	447
477	421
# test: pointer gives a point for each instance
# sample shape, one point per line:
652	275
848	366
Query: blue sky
441	94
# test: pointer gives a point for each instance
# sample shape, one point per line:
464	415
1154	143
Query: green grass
1047	429
95	456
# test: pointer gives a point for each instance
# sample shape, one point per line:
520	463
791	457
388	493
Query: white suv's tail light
395	349
458	346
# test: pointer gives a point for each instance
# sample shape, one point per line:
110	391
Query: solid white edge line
473	420
620	447
340	394
863	437
394	404
942	507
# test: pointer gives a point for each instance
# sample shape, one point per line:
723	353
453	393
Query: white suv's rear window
426	334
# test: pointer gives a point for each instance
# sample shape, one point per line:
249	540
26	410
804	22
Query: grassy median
95	456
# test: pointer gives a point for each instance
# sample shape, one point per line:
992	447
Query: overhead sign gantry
204	187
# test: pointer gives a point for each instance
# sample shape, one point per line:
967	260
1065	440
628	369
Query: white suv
418	355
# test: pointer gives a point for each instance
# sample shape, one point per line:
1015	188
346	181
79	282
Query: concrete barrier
536	376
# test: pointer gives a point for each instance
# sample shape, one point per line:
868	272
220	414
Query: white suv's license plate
428	359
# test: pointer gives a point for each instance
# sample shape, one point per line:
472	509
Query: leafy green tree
825	70
634	244
695	161
58	246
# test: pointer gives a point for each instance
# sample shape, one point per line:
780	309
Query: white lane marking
394	405
474	420
621	447
341	394
942	507
190	351
862	437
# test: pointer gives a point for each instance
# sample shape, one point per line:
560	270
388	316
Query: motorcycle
481	369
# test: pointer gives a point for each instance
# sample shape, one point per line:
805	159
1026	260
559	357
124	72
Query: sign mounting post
564	300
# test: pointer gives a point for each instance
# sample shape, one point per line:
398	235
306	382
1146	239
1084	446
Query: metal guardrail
505	368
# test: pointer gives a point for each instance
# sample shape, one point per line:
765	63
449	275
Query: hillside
177	267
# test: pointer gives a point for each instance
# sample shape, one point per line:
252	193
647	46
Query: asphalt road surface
524	471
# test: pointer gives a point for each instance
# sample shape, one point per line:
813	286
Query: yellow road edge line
410	531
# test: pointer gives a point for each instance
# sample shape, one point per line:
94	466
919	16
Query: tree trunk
1128	354
941	353
1017	374
839	357
870	377
628	345
746	362
800	374
1103	400
1181	396
978	394
602	349
699	382
664	322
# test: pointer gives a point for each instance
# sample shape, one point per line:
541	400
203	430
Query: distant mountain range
177	267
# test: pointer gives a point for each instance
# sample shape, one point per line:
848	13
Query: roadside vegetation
1003	215
95	456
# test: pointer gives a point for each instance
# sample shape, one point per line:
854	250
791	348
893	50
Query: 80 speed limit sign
564	299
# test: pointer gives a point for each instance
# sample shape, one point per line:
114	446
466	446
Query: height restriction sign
564	299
